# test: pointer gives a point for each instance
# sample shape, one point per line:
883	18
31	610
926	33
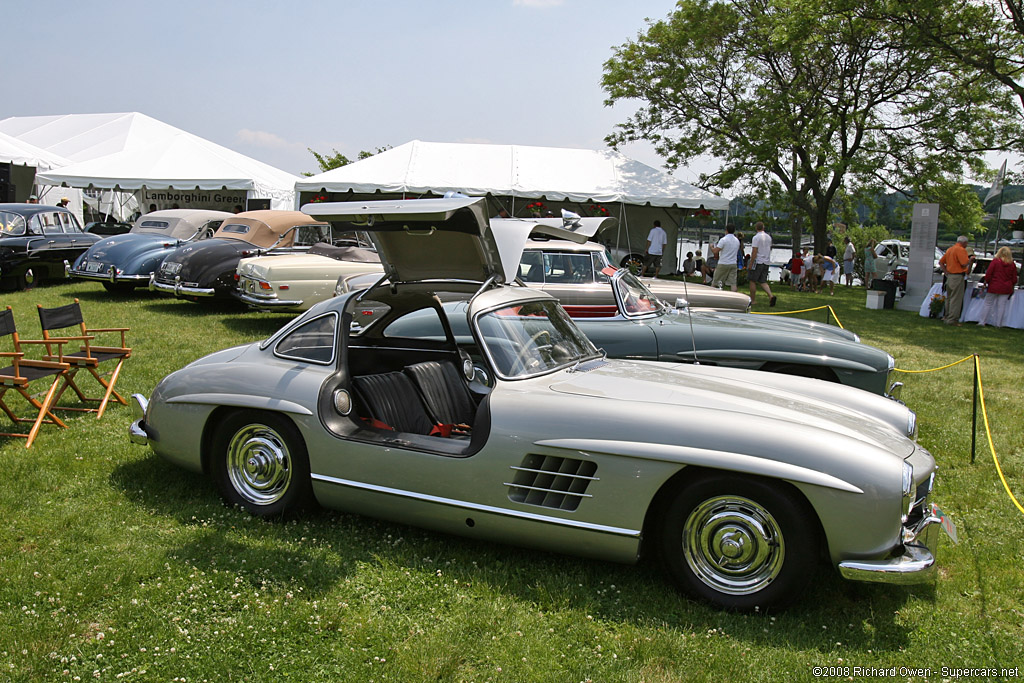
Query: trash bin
889	288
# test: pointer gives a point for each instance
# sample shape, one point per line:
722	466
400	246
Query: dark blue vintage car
38	242
122	262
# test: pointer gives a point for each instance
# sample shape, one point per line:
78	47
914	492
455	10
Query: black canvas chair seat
89	357
445	394
21	373
392	400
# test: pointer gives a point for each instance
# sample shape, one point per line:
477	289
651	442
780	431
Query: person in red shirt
796	268
1001	278
955	263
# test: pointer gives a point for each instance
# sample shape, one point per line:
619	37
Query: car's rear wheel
739	542
261	463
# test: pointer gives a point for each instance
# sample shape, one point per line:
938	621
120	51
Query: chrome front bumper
916	564
178	289
137	430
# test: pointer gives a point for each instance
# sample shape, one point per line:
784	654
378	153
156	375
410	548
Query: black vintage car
38	243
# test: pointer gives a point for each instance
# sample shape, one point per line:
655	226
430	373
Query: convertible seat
447	398
20	374
393	402
88	358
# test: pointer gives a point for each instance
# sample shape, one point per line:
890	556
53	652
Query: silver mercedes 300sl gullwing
544	442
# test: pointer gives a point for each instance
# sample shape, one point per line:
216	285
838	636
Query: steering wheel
524	355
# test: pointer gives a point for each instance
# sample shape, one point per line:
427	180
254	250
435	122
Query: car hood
756	323
696	294
452	238
737	397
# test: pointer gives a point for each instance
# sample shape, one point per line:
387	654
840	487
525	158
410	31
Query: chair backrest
392	399
7	322
61	317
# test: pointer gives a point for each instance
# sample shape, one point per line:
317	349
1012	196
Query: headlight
908	490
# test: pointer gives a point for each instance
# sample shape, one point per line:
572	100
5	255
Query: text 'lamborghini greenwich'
534	438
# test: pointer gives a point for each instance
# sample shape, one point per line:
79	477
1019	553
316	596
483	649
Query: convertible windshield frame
634	300
530	338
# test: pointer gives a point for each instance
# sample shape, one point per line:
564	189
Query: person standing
656	241
955	263
760	257
796	268
726	252
848	255
869	263
1001	278
830	249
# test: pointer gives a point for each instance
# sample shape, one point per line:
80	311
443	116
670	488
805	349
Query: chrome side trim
490	509
242	401
259	302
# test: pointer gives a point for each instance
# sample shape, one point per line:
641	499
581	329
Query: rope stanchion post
974	410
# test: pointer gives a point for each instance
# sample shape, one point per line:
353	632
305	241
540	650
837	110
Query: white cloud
261	138
537	3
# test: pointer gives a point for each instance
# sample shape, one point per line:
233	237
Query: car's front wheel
261	463
739	542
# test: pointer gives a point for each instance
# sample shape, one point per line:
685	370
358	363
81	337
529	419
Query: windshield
634	299
11	223
532	339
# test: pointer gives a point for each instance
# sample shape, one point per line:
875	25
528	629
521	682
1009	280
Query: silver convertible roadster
740	481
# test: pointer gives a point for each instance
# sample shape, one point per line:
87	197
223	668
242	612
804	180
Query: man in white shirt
656	241
760	257
848	255
726	252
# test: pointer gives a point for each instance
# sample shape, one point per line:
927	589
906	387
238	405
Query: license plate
93	267
945	522
170	268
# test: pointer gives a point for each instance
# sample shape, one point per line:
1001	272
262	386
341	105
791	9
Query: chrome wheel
259	464
733	545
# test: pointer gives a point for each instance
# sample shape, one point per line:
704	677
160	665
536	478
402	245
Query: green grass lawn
115	565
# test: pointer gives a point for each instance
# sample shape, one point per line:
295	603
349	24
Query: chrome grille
551	482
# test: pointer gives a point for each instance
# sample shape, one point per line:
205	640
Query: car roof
266	225
31	209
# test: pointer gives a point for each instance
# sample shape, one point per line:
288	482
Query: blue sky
270	79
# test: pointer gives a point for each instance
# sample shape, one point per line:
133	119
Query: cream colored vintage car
294	282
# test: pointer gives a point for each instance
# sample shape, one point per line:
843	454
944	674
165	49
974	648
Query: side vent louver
551	482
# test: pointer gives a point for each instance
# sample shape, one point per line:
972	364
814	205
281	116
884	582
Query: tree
337	160
820	97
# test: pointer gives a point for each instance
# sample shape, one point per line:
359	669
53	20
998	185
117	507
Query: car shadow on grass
317	549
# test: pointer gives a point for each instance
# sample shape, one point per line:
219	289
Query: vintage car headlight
908	490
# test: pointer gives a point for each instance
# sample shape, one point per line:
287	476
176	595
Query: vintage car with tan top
294	282
544	442
206	269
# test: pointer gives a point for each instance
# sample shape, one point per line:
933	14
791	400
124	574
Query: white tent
15	151
131	151
557	174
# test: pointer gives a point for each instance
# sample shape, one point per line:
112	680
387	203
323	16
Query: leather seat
447	398
392	399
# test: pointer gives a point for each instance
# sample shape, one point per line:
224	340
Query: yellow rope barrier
803	310
962	360
984	415
988	433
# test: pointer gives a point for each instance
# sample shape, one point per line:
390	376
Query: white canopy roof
131	151
1012	212
15	151
513	170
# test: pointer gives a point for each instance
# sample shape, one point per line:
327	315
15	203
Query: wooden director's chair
22	372
88	357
